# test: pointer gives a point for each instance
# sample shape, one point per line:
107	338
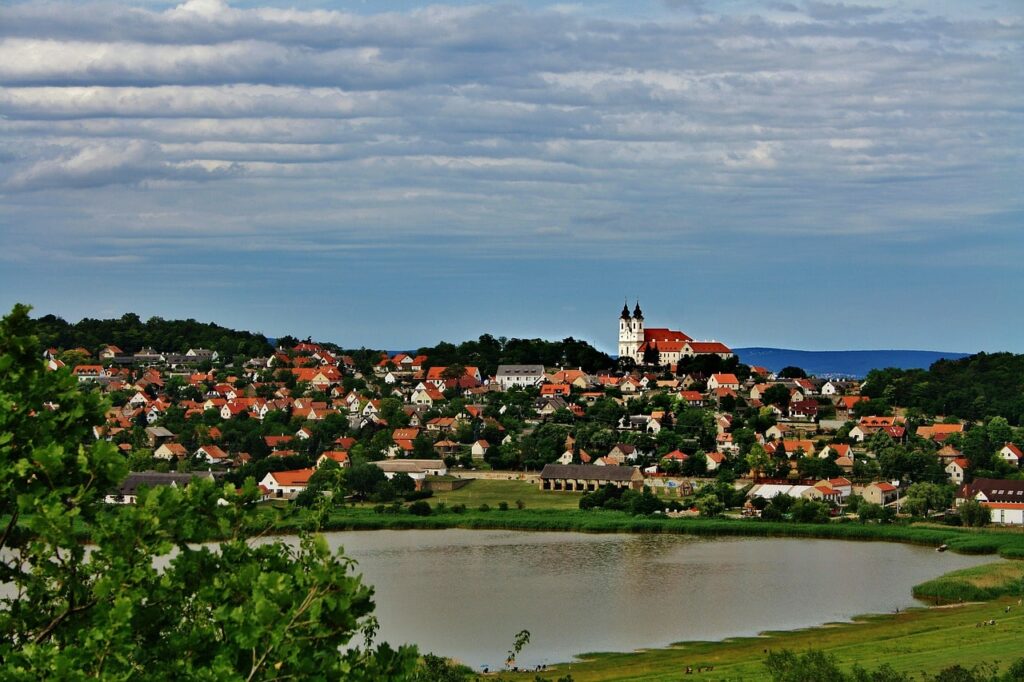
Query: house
335	456
692	398
287	484
842	485
836	449
155	435
447	448
957	470
622	452
522	376
128	491
1011	454
170	451
714	460
845	404
576	378
479	449
880	493
676	456
806	410
939	432
109	352
723	381
1004	499
563	390
416	469
86	373
211	454
869	425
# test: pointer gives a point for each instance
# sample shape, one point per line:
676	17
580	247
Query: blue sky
819	175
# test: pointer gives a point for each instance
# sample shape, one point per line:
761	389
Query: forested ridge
975	387
130	334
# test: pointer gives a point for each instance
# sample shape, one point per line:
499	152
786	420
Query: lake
466	593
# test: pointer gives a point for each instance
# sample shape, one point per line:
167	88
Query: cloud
102	164
469	132
839	11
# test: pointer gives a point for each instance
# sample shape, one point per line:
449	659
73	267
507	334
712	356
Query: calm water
466	593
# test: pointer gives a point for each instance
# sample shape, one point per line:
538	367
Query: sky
806	174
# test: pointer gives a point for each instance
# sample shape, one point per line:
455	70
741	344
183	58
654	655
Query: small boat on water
942	548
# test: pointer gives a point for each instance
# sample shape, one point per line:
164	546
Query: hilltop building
671	345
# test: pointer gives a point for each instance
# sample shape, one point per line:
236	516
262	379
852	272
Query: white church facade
635	340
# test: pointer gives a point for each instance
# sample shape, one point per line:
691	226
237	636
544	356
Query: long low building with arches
587	477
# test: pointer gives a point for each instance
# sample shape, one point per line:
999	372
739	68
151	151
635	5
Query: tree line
131	334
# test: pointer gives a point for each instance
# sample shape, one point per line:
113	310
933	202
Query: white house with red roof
957	470
1011	454
723	381
287	484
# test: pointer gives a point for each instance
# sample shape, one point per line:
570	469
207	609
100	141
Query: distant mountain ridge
853	363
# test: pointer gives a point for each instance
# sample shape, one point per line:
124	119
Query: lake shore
1007	544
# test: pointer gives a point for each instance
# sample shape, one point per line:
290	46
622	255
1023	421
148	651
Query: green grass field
481	491
919	640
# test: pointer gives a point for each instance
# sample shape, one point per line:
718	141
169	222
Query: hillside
855	363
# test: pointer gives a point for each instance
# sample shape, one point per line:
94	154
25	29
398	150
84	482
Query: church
635	340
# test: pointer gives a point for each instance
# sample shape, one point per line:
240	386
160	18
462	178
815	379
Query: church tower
631	331
625	322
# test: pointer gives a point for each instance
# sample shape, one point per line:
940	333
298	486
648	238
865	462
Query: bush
520	504
380	508
440	507
459	508
484	507
420	508
503	506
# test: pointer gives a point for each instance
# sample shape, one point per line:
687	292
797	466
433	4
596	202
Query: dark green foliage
975	387
973	514
233	611
487	352
420	508
131	334
810	511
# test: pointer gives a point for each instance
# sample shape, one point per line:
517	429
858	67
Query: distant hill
854	363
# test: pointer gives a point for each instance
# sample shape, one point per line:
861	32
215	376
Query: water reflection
465	593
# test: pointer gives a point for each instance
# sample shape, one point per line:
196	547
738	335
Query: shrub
459	508
484	507
380	508
440	507
520	504
502	506
420	508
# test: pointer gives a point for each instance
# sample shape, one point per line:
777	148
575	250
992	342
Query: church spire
637	312
625	310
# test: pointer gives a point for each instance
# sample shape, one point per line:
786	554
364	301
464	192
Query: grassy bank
913	641
978	583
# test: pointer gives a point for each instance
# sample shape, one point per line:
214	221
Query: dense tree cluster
975	387
488	352
130	334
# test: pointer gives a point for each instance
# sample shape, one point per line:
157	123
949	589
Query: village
651	422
